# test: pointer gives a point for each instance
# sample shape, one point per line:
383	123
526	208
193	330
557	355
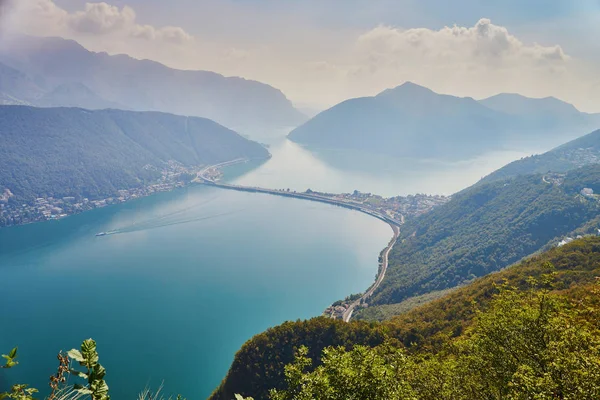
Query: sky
321	52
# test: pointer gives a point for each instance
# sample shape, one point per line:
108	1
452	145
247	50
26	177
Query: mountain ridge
411	120
76	152
574	154
145	85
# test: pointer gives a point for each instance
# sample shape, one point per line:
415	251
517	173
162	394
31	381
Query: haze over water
196	272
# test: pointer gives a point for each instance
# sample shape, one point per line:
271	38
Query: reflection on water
298	168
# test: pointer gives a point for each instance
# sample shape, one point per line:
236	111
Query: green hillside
569	273
74	152
575	154
484	229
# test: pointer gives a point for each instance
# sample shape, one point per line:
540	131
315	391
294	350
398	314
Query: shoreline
46	209
346	314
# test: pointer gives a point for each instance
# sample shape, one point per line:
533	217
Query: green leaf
78	374
88	350
100	390
75	355
13	353
99	372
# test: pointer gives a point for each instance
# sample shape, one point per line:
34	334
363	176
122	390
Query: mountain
574	154
409	120
486	228
16	87
74	152
549	114
244	105
424	332
75	94
515	104
413	121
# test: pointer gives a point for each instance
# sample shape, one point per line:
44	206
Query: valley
196	199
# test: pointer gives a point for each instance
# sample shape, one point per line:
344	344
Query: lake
192	274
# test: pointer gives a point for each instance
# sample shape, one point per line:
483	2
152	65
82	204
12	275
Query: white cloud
477	61
44	17
101	18
321	66
484	45
173	34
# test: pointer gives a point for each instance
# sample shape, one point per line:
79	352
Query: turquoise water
193	274
173	300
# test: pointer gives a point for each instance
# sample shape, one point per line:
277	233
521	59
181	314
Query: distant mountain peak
407	88
514	103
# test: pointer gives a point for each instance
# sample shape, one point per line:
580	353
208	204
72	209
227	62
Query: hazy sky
320	52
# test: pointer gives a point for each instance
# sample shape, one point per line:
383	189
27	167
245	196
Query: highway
384	264
395	224
305	196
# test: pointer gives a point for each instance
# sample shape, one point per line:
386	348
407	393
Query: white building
587	192
565	241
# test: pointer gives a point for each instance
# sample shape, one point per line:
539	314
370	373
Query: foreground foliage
527	345
421	333
96	388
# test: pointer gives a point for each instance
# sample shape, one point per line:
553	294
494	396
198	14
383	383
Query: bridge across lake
395	224
305	196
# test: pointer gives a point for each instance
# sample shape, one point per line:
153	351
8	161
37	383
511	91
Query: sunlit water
298	168
192	274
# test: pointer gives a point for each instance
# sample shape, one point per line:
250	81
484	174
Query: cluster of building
583	156
569	239
212	173
554	178
337	309
336	312
398	208
173	175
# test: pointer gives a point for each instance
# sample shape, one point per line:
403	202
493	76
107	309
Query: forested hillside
575	154
74	152
485	228
570	271
257	366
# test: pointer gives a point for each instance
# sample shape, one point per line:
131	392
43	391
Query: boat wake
165	221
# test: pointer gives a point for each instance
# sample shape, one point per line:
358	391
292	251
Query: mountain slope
413	121
74	152
577	153
258	366
75	94
515	104
399	121
486	228
16	87
149	86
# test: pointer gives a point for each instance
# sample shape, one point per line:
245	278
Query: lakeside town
175	175
13	212
398	208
